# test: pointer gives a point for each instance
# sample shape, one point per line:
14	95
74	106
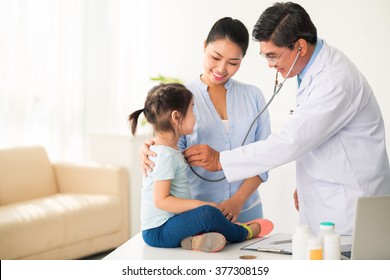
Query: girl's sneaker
209	242
265	227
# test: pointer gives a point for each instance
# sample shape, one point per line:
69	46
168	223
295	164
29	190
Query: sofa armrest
73	178
99	180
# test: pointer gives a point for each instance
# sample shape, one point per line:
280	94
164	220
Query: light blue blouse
244	102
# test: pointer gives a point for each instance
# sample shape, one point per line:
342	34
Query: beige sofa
59	211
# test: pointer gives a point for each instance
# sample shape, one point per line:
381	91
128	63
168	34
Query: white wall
172	45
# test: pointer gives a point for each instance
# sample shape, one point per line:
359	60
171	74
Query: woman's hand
144	151
231	208
203	156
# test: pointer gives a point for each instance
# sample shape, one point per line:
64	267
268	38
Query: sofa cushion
59	220
25	173
87	216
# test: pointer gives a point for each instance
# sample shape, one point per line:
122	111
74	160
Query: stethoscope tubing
277	88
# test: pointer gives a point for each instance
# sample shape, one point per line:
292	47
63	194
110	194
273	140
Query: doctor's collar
317	49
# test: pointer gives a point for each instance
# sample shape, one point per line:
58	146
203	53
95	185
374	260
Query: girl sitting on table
169	217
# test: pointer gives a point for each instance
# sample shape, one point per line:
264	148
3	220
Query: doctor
336	133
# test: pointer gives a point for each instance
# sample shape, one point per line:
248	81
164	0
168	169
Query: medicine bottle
325	228
314	248
299	242
331	249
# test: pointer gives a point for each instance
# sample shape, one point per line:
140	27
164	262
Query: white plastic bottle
325	228
299	242
314	248
331	249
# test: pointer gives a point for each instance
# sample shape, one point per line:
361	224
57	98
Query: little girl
169	217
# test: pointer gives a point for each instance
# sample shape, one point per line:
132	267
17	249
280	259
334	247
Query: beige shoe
209	242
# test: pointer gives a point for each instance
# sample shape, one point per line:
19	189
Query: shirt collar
204	86
317	49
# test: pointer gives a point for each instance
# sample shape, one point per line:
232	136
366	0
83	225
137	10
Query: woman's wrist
219	166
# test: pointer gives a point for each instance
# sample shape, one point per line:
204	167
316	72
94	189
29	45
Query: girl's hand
213	204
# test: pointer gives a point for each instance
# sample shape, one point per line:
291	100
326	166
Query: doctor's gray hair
283	24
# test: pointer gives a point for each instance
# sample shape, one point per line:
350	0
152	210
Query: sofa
59	210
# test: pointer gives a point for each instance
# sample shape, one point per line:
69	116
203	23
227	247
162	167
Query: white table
136	249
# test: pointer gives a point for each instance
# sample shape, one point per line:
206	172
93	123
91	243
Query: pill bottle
299	242
314	248
325	228
332	247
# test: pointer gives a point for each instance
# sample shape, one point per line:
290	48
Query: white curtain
68	68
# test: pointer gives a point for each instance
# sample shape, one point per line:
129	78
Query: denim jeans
196	221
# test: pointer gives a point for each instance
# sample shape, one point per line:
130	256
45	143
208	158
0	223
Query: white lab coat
336	135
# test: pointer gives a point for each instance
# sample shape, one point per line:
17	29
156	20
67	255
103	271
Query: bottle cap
302	228
327	225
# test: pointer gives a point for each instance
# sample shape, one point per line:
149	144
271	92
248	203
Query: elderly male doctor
336	133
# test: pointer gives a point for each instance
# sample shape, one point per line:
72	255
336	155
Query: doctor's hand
144	151
296	203
203	156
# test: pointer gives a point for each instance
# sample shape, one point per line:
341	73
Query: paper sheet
266	244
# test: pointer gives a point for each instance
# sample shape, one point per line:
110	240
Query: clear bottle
331	249
325	228
299	242
314	248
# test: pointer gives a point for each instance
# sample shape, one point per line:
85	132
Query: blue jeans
196	221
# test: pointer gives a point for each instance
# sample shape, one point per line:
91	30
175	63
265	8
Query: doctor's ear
302	47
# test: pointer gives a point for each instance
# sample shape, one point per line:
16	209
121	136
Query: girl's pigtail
133	119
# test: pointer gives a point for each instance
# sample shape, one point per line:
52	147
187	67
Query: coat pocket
330	203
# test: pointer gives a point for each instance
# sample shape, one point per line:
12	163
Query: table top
136	249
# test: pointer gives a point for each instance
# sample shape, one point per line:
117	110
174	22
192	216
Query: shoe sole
209	242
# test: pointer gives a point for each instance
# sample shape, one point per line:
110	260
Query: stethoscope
277	88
